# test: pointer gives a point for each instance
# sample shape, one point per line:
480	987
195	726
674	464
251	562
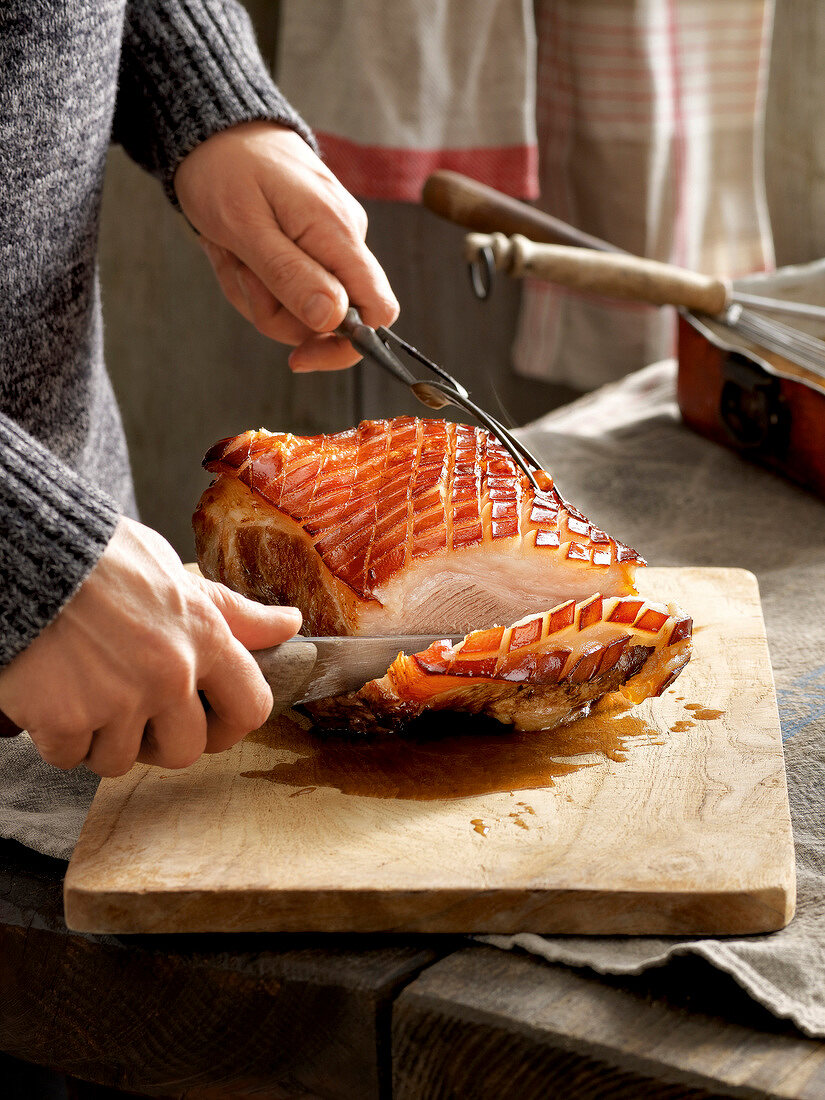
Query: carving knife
303	669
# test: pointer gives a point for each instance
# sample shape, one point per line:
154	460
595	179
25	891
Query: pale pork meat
541	672
398	526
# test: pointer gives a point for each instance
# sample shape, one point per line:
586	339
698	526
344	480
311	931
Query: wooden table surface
414	1017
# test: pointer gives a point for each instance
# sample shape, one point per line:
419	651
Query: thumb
294	278
255	625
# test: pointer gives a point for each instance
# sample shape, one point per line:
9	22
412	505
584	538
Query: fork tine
527	454
511	445
499	431
374	343
504	437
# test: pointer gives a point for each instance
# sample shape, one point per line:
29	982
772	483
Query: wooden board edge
549	912
718	573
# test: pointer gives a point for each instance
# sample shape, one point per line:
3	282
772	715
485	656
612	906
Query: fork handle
368	342
466	202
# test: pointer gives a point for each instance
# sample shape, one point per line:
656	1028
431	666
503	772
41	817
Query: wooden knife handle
617	276
472	204
287	669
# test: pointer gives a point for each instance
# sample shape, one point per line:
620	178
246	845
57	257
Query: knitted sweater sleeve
54	526
190	68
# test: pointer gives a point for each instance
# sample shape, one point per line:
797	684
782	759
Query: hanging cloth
650	118
396	90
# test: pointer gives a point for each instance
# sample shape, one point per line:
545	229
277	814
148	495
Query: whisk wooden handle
466	202
614	275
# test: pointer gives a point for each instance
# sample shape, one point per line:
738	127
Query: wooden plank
194	1016
672	819
485	1024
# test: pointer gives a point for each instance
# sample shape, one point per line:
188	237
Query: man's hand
286	240
115	677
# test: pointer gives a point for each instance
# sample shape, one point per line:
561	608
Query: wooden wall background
188	370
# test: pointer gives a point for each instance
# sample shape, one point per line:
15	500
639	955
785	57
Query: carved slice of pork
541	672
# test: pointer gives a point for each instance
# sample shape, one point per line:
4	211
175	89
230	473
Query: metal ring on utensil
482	269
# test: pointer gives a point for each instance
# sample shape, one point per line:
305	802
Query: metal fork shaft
435	394
510	444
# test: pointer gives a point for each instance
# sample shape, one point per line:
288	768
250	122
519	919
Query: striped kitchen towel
396	90
650	124
648	115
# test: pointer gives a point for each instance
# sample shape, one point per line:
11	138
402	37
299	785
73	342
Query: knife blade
307	668
302	669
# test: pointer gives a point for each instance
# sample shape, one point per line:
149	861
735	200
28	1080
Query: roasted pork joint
397	526
541	672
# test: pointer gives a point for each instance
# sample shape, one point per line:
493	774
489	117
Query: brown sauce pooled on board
681	726
704	714
448	757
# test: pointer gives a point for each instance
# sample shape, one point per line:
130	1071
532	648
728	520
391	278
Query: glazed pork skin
537	674
399	526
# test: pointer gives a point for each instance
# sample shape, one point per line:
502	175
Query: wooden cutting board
671	818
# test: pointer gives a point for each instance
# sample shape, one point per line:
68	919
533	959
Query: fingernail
294	618
318	310
297	364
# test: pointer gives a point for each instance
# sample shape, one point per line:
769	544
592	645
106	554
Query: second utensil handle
467	202
611	274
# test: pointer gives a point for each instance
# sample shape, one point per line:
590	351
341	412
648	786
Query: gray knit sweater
157	76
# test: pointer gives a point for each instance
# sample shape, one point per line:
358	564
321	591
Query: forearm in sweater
53	528
190	68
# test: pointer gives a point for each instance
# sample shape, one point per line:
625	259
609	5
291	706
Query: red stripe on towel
380	172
